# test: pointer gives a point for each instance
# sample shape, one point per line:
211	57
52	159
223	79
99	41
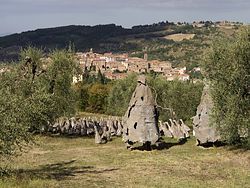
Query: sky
22	15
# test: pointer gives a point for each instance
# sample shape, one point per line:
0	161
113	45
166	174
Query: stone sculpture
98	139
165	130
168	133
141	118
185	128
202	126
180	131
76	126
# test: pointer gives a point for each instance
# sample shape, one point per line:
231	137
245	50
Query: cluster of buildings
225	23
118	66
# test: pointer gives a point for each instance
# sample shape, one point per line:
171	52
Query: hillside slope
152	39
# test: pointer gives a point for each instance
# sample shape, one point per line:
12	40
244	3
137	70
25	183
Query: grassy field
78	162
179	37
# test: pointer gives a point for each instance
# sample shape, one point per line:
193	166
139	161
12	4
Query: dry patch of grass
179	37
78	162
228	30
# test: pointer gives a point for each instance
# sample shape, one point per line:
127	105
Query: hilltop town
169	45
118	66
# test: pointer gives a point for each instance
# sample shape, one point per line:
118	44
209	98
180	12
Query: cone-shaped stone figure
179	130
185	127
140	120
174	129
106	135
168	132
119	129
163	128
98	139
202	128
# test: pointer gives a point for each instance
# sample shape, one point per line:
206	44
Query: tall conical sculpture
141	118
202	128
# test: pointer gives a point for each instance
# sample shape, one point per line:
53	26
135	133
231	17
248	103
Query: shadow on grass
69	136
159	146
213	144
58	171
239	148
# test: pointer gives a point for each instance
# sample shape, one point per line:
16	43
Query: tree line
112	97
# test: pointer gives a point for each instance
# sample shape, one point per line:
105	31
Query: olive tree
120	94
227	67
32	93
175	99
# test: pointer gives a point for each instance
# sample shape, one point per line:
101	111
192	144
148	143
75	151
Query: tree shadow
67	136
58	171
213	144
162	145
239	148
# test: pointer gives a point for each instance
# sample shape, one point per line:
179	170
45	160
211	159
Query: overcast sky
23	15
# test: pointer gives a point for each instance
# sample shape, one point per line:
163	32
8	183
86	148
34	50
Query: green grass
78	162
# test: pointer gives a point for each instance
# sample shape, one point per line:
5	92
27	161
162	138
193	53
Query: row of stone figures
140	122
104	129
174	129
86	126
